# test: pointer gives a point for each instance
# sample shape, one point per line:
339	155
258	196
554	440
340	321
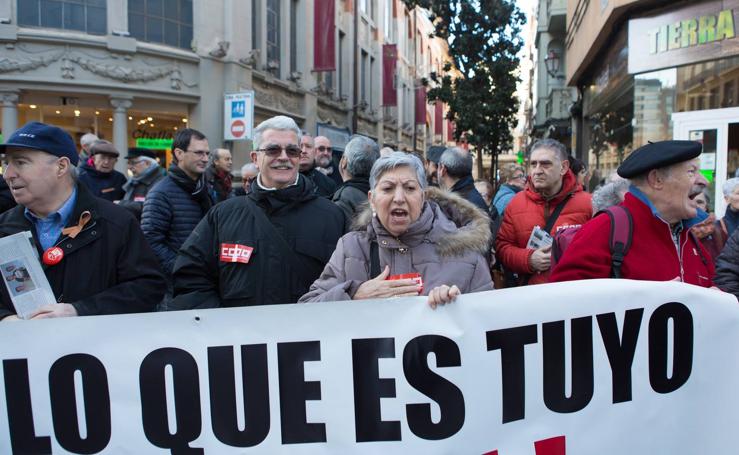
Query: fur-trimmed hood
458	226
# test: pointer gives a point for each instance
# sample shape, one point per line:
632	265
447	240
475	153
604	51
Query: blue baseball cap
47	138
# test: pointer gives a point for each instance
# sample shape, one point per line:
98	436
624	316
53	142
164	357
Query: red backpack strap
622	227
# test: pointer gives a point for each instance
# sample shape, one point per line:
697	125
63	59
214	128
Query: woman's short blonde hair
509	170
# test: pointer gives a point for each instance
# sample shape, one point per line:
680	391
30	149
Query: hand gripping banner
579	368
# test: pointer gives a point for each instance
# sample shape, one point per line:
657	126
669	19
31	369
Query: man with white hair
143	165
86	142
665	180
249	172
455	175
355	166
265	248
218	175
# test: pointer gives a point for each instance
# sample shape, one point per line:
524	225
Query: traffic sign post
238	116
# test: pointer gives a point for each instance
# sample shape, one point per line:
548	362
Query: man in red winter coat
551	183
665	179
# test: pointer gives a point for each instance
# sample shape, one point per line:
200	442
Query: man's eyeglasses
272	151
199	153
323	148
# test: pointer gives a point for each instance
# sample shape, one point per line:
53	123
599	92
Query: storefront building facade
136	71
665	72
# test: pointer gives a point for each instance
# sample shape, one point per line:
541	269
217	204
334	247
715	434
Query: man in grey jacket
359	155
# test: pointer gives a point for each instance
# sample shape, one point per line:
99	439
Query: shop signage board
238	116
154	143
695	33
607	367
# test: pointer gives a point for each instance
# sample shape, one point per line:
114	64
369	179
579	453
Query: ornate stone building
136	71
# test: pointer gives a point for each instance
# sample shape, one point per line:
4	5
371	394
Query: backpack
622	227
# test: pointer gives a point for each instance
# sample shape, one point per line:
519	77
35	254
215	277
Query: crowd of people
301	226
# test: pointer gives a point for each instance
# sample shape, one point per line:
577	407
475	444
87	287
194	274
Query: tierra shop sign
693	34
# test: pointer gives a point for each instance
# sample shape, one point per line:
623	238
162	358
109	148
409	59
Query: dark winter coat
205	277
323	186
137	188
218	186
7	201
727	266
169	216
351	196
106	185
465	187
107	269
446	245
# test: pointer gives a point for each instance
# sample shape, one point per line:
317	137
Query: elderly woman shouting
409	241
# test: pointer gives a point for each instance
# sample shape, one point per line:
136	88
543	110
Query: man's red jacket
653	254
528	209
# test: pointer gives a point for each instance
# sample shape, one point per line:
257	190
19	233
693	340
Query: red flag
421	105
324	42
438	118
389	62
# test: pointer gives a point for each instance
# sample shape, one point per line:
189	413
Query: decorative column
9	100
121	104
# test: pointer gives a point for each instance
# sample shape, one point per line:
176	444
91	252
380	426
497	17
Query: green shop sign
153	143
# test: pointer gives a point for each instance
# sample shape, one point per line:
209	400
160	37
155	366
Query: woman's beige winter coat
446	245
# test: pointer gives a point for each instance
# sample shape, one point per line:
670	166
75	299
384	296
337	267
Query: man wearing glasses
176	204
324	186
265	248
325	161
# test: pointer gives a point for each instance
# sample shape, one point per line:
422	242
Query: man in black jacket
267	247
101	178
355	166
94	254
146	173
455	175
323	186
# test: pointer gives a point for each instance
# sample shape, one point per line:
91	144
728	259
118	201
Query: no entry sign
238	115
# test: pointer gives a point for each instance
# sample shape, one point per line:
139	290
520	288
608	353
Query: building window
161	21
363	76
371	91
273	36
293	36
342	73
256	28
388	21
89	16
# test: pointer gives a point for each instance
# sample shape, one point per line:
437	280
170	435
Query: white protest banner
580	368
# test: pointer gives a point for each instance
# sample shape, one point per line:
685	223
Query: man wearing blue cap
665	179
94	254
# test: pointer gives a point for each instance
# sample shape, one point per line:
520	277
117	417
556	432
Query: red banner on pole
438	118
389	63
420	105
324	44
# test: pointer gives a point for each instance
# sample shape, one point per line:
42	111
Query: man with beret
100	177
665	179
142	163
93	253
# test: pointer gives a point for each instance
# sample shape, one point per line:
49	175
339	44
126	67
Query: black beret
655	155
135	152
